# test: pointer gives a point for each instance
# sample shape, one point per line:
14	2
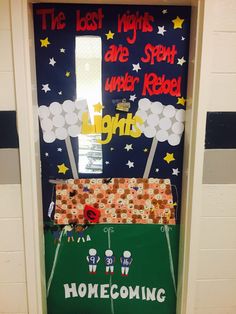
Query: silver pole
71	158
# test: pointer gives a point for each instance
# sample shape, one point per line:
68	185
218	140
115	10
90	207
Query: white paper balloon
141	114
49	137
174	139
55	108
165	124
46	124
43	112
144	104
149	131
140	126
162	135
80	115
71	118
156	107
180	115
68	106
81	104
74	130
178	127
153	119
61	133
169	111
58	121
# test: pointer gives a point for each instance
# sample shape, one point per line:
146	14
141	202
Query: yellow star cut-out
181	101
45	42
178	22
110	35
145	150
67	73
169	157
98	107
62	168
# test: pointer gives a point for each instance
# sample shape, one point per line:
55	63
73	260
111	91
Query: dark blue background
55	77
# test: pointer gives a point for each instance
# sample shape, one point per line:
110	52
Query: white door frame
26	100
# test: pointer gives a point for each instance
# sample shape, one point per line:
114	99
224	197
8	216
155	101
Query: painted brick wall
12	261
214	250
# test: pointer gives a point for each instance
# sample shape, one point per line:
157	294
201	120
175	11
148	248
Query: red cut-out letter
100	17
90	22
43	13
56	21
148	53
115	53
124	56
148	84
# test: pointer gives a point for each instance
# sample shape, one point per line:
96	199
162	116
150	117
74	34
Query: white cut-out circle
165	124
80	115
71	118
140	126
74	130
178	127
55	108
49	137
180	115
149	131
81	104
174	139
61	133
169	111
153	119
68	106
46	124
43	112
162	135
157	107
144	104
142	115
58	121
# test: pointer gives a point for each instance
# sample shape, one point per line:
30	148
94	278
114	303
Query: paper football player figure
93	259
109	262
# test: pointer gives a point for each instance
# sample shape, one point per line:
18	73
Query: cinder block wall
212	287
12	260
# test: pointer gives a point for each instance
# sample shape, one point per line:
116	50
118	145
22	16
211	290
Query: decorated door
111	84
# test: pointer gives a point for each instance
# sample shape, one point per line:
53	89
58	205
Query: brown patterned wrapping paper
120	201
